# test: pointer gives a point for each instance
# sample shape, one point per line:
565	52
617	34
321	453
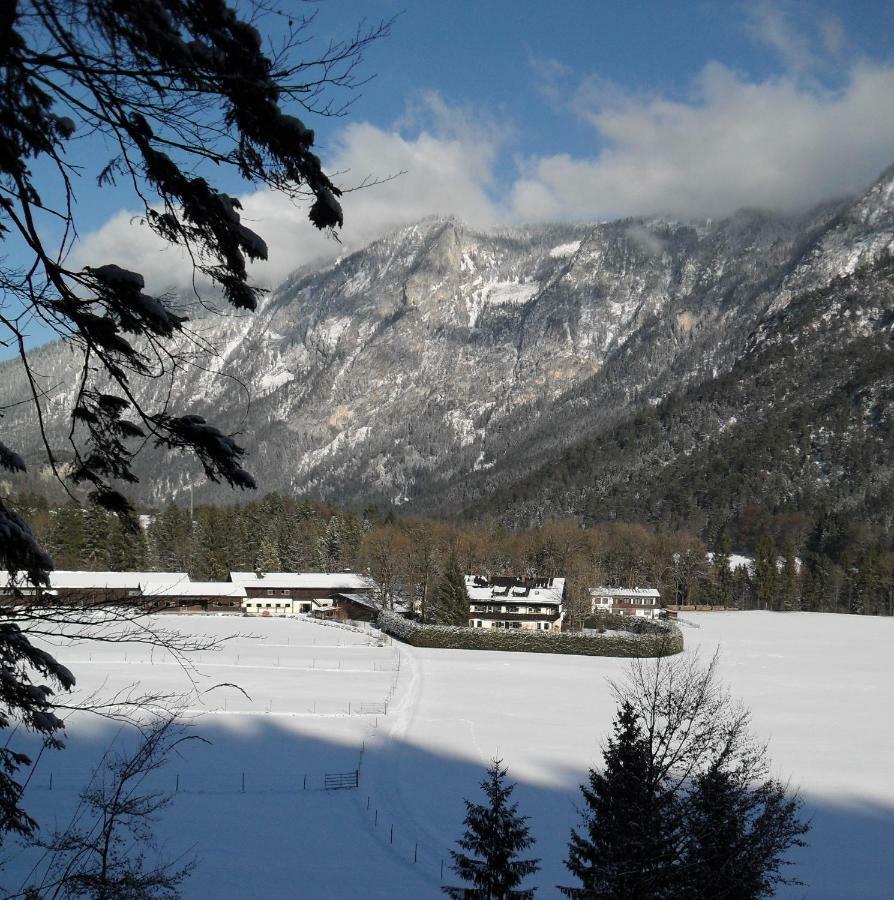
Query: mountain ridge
442	364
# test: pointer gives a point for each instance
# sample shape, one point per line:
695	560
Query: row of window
513	609
303	607
479	624
629	601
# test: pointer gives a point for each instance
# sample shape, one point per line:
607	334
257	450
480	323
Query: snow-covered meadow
820	688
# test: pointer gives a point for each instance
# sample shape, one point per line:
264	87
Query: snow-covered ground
820	688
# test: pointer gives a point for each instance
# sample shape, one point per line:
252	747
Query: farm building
95	588
293	593
197	596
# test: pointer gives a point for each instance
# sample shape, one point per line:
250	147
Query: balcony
552	616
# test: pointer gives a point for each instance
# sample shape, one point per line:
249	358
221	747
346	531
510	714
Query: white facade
534	604
284	606
297	593
642	603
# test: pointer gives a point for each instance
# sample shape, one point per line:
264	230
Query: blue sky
502	111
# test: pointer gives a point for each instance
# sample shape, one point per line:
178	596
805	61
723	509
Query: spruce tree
330	546
737	832
723	574
451	601
267	559
766	575
628	831
789	581
494	837
97	538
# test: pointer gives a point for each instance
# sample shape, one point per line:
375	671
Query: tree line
833	566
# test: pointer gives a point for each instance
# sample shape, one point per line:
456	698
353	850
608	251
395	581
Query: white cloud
776	144
445	168
770	24
781	144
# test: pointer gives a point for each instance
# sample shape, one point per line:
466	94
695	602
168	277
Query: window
511	609
546	626
479	624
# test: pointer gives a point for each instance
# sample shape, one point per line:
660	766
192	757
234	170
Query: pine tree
629	822
451	600
330	548
65	536
494	837
723	574
766	575
739	824
789	581
268	559
96	549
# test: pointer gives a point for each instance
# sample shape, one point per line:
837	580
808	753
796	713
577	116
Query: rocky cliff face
441	363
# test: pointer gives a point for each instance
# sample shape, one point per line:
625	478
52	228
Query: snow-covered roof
195	589
552	592
63	579
329	581
361	599
624	592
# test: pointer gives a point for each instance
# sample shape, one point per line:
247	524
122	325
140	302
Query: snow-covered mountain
441	362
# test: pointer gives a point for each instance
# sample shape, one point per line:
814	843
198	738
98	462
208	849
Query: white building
293	593
644	603
535	604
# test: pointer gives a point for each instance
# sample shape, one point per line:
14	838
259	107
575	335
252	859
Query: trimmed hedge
606	621
667	642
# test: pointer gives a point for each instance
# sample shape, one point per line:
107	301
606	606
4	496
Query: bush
666	641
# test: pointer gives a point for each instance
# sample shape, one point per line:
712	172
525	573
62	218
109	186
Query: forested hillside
728	380
409	557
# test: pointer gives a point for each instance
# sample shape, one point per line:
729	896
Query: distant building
534	604
644	603
95	588
293	593
196	596
341	595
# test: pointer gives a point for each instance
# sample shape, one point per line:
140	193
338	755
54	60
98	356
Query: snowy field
422	724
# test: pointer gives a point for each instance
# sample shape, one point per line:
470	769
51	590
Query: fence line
196	783
335	781
405	843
